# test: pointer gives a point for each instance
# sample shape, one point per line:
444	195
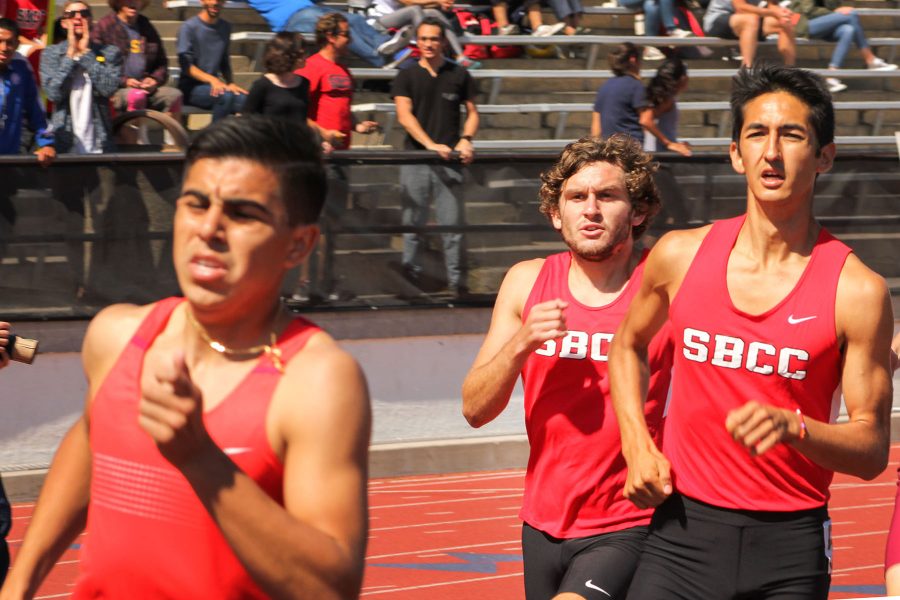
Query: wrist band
803	432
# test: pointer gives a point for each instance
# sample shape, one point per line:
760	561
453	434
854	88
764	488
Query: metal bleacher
550	94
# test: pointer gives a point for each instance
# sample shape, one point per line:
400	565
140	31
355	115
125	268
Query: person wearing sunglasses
80	77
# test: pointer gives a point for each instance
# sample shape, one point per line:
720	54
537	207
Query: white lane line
432	524
454	491
836	508
444	501
432	585
852	535
441	531
442	550
376	485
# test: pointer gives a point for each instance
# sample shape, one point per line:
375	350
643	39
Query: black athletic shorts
598	567
720	28
695	551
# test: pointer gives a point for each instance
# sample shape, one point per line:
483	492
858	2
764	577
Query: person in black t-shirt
428	97
280	93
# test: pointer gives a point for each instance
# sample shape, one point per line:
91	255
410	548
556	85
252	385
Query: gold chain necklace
271	349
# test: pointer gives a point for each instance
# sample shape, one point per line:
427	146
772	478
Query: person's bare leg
534	16
745	27
501	15
787	43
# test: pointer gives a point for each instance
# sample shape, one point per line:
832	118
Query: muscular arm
61	511
313	547
860	445
649	482
508	344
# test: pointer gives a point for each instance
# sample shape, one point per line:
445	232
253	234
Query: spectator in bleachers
659	17
621	104
31	17
502	9
569	12
80	77
331	84
280	92
330	100
740	20
145	67
662	94
827	20
400	15
21	104
428	97
206	78
302	15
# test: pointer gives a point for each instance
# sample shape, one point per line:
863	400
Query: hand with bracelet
760	427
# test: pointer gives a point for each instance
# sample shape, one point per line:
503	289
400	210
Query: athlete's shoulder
859	286
519	280
673	254
107	335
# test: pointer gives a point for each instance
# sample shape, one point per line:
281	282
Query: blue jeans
566	8
364	39
221	106
423	184
843	29
656	13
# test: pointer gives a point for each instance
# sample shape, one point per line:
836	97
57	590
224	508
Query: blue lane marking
865	590
472	563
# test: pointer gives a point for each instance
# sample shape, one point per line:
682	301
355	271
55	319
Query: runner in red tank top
222	452
770	314
553	322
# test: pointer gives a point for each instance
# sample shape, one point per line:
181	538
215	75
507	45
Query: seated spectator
569	12
80	77
740	20
206	79
31	17
662	94
621	104
659	17
280	92
405	15
840	25
502	9
22	101
145	65
302	15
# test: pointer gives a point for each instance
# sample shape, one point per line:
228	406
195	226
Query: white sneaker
835	85
548	30
651	53
397	42
511	29
879	65
681	33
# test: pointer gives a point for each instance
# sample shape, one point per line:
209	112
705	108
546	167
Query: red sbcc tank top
576	471
148	536
787	357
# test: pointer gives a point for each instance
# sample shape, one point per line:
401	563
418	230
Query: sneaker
398	58
651	53
511	29
548	30
400	39
835	85
680	33
465	61
880	65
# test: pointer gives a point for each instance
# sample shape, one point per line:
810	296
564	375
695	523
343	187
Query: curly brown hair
117	5
620	150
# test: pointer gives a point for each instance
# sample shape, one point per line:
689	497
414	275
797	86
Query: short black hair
809	88
10	25
289	148
434	22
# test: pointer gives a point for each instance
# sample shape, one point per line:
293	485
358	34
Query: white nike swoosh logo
233	451
594	587
794	321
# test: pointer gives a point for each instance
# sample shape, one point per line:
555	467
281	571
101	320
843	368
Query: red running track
452	536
